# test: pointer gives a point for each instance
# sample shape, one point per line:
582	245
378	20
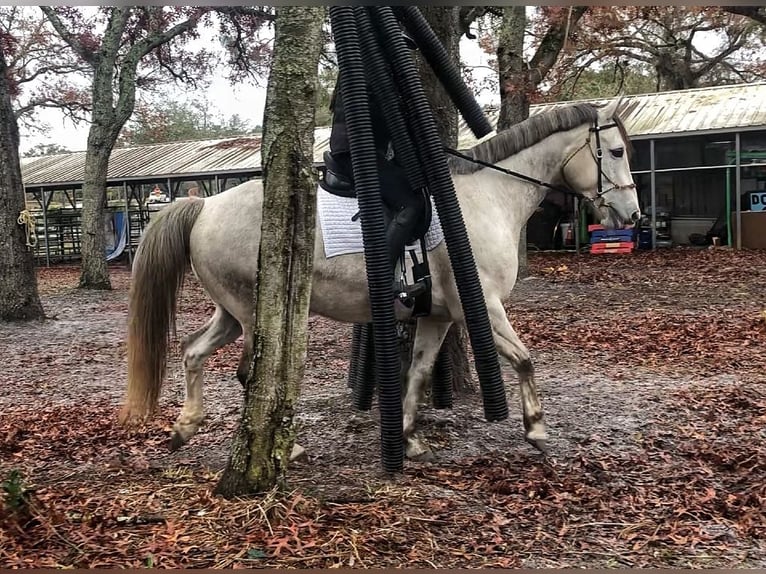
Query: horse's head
599	170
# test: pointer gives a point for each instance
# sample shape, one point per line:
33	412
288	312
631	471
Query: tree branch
127	81
552	43
246	11
154	41
756	13
69	38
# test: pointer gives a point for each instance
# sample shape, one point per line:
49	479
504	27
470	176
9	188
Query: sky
245	99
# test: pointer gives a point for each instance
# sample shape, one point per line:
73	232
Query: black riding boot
400	231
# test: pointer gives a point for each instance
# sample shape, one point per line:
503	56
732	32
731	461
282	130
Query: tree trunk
513	78
514	89
102	137
94	273
19	299
444	20
263	443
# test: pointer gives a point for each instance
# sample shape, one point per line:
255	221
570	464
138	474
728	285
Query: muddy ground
652	371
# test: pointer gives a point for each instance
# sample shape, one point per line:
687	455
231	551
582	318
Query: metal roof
203	158
705	110
681	112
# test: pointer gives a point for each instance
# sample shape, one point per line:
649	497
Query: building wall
691	175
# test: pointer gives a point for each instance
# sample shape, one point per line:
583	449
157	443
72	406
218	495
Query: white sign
758	201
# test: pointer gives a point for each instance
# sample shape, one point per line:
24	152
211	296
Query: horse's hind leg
428	340
221	330
515	352
245	359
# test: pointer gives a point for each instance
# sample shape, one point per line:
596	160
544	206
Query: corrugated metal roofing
700	110
718	108
178	159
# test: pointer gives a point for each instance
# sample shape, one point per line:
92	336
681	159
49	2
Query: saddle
413	300
334	181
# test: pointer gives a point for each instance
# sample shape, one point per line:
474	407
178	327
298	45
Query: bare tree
685	47
44	73
154	36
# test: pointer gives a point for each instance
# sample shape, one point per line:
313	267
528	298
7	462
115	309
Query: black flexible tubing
387	97
441	381
379	276
363	391
445	69
385	93
353	361
458	244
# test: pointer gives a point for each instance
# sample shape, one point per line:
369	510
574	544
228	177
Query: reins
510	172
597	157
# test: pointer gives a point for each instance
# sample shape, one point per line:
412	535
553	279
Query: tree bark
94	273
514	89
263	443
19	299
445	22
518	79
513	80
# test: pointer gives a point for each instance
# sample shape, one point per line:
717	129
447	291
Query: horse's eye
617	152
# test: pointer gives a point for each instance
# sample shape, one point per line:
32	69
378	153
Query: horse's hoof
538	440
427	456
176	441
418	451
298	454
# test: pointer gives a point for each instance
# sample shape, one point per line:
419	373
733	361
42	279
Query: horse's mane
526	134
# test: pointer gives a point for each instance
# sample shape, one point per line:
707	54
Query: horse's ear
609	110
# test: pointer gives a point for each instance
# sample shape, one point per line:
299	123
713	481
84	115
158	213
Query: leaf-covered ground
652	370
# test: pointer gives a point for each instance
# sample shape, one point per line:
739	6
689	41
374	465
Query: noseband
597	157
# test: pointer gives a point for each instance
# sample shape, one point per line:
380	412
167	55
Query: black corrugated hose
363	391
353	361
445	69
441	386
354	93
443	191
387	96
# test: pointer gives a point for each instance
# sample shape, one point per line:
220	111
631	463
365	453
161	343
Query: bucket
567	237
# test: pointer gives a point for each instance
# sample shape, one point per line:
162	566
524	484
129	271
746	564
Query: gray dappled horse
220	237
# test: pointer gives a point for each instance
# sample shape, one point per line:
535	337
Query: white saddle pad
343	236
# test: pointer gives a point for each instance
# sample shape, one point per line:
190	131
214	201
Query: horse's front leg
515	352
221	330
428	340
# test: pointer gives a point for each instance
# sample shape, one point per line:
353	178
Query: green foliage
42	149
606	82
325	87
173	121
16	497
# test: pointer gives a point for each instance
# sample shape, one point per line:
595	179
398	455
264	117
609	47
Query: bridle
569	190
597	157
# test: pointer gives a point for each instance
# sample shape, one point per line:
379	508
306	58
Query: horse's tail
158	274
